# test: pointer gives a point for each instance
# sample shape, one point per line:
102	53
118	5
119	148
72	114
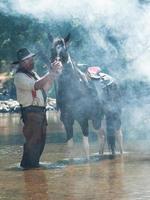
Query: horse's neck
71	63
77	71
72	75
69	68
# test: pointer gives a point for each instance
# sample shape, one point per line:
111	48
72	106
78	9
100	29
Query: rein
79	74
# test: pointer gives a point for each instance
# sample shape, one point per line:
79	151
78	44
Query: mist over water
115	35
119	29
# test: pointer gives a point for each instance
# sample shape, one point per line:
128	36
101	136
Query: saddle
94	73
103	86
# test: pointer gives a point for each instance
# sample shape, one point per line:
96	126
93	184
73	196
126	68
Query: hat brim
29	56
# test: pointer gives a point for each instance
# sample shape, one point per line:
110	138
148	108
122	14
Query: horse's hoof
71	160
87	159
121	152
101	153
112	156
113	152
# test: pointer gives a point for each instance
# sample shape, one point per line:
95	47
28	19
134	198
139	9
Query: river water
124	177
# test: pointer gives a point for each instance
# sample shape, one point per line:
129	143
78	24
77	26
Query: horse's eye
58	47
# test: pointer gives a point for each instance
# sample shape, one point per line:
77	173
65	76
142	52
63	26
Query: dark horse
75	98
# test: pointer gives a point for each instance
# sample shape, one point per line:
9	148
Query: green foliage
17	31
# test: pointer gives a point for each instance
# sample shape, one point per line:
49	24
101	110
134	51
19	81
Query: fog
115	36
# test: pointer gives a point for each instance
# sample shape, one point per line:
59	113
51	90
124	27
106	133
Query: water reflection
80	185
36	185
11	129
122	178
10	123
100	180
115	179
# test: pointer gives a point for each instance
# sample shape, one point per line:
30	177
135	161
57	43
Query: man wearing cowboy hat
31	94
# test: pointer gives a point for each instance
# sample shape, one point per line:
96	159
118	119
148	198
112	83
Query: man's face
28	63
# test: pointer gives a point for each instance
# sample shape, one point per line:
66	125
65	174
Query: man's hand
56	68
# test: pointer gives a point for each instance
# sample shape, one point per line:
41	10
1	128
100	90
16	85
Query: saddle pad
94	72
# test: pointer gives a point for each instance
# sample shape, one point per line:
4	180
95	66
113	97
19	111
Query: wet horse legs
68	124
84	128
119	139
101	140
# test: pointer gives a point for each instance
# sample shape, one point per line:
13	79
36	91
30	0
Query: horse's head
59	49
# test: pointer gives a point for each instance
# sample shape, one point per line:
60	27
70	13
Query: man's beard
32	66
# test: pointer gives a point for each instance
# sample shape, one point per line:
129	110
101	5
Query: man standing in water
31	94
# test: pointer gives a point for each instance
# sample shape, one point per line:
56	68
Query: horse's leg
101	136
114	133
86	146
84	128
111	143
119	139
70	145
111	139
101	139
68	124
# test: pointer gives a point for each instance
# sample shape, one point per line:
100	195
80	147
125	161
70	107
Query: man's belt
34	109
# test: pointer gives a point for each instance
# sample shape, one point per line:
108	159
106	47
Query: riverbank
12	106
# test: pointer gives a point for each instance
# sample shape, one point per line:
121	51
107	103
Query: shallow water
124	177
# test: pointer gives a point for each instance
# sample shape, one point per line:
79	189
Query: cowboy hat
23	54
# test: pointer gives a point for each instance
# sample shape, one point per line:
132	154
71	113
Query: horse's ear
50	37
67	38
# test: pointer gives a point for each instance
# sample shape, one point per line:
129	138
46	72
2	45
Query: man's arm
50	76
